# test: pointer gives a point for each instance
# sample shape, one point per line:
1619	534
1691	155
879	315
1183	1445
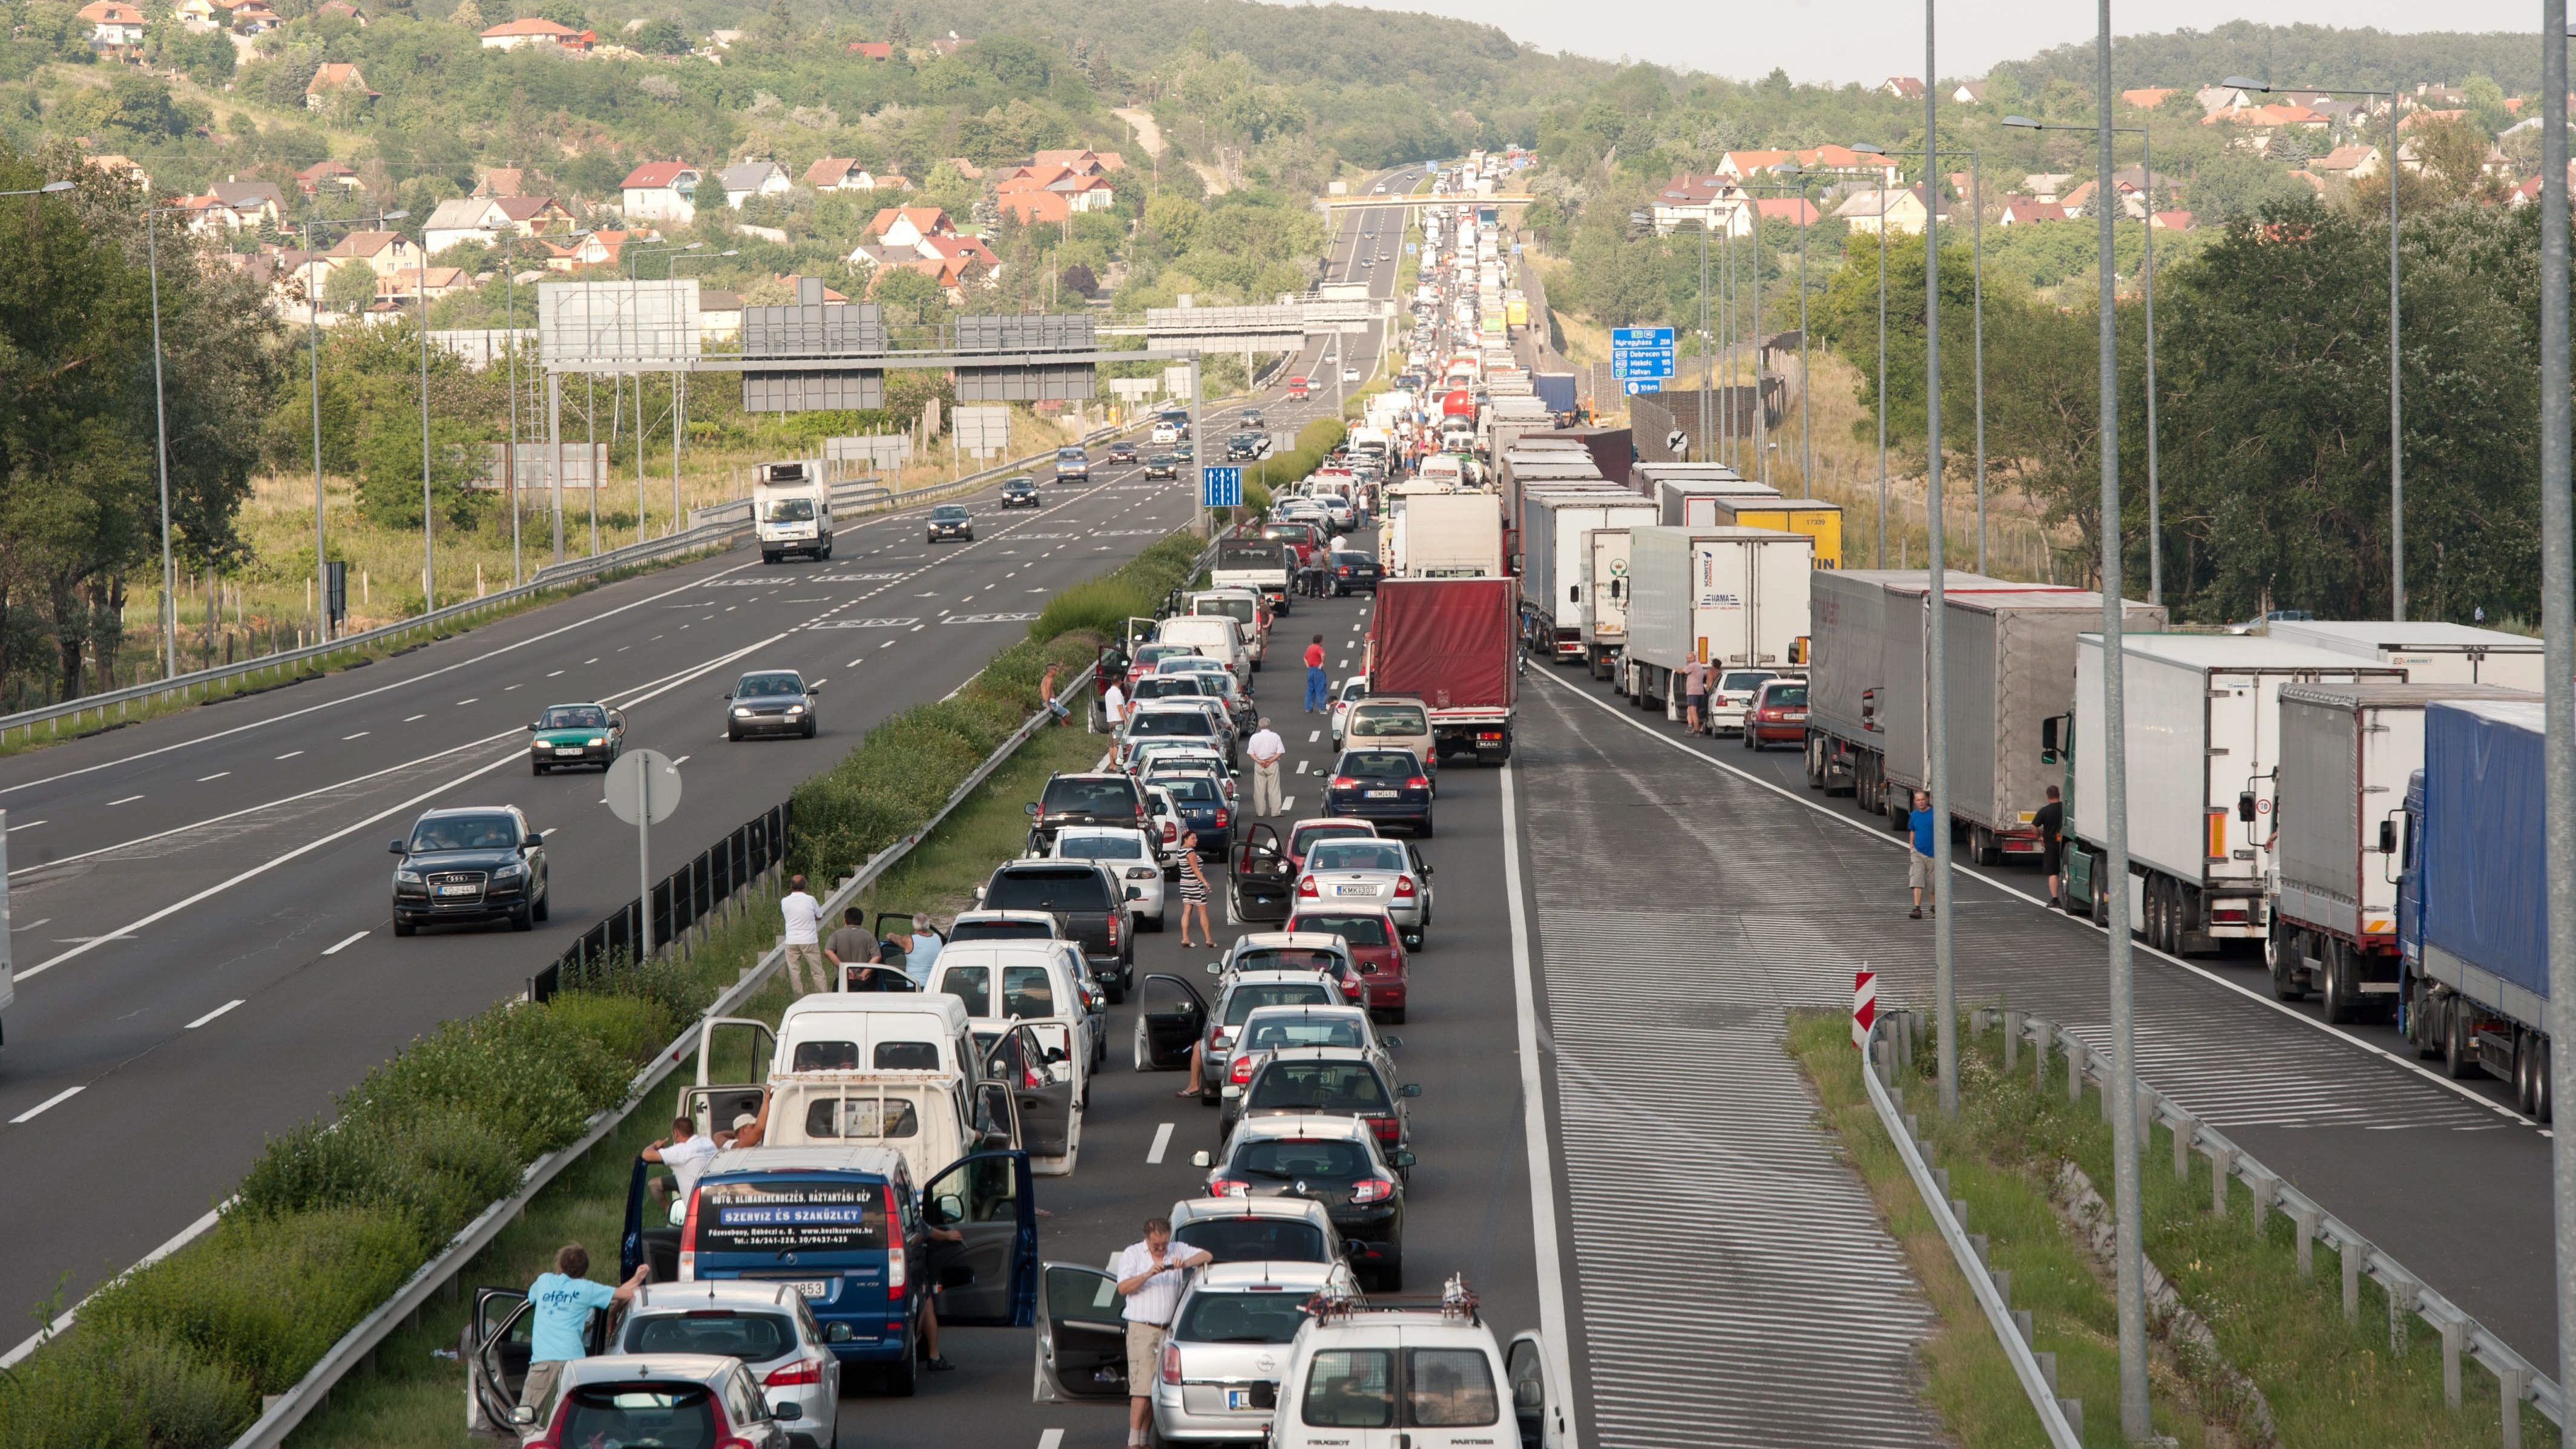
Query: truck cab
791	511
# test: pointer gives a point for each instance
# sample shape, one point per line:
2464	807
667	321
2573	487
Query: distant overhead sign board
617	326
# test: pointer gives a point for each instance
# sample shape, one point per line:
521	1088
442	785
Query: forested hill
2292	55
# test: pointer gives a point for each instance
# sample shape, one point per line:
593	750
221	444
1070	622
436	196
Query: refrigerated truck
1813	517
2202	716
1605	582
1443	536
1556	608
2433	652
1725	597
1868	654
2347	753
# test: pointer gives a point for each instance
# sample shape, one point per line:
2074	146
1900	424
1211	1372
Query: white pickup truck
791	508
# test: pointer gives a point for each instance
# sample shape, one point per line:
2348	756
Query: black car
770	702
1387	786
1122	452
1163	465
1252	418
1335	1161
476	863
1089	906
1020	492
1354	572
1111	799
1245	445
1329	1081
951	520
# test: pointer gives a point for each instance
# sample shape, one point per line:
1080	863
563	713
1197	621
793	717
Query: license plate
1355	890
814	1287
456	890
1238	1400
1381	794
567	749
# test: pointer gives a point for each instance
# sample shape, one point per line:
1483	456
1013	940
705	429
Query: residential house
521	34
2047	185
948	44
2428	94
872	49
1900	211
500	181
2528	193
2214	99
335	174
1081	162
2022	211
381	252
2417	119
2256	125
2147	98
748	179
2078	202
122	169
905	226
461	219
1795	210
1707	201
965	168
1745	165
1844	158
195	14
404	285
231	206
1078	191
581	253
113	24
662	191
719	315
2170	221
1969	93
333	79
2498	166
840	173
2135	179
791	281
254	18
1903	87
2348	163
340	10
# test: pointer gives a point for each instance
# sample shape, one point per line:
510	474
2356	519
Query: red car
1777	715
1302	537
1297	390
1375	944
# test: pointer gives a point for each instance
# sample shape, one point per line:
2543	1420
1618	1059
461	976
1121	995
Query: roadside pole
2558	617
643	789
1937	722
1198	465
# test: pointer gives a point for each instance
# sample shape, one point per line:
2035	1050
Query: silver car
1228	1346
766	1325
1363	872
1275	1028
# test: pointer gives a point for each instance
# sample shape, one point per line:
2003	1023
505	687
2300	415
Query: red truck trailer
1453	644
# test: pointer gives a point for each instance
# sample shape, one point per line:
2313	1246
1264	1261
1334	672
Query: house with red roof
1745	165
336	78
521	34
906	226
113	24
662	191
872	49
2022	211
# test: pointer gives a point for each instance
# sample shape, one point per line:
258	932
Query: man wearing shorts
1694	694
1150	1276
1918	861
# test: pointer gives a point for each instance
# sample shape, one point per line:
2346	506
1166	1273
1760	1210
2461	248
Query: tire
2342	995
903	1376
2280	957
809	729
536	769
2459	1051
767	557
2102	903
1425	832
403	927
733	734
544	907
2540	1079
523	919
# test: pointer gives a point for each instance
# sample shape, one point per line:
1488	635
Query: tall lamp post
2155	492
678	410
631	258
2558	630
2396	393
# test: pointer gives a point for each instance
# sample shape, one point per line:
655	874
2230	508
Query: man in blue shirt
560	1304
1918	862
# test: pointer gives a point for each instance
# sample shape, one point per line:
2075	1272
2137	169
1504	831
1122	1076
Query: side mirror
524	1415
786	1409
532	726
2388	837
1390	1042
815	688
1413	1089
1201	1159
948	1208
979	893
2245	806
1399	1158
1214	969
2048	738
1030	810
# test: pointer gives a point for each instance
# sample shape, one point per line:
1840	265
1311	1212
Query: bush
434	1167
102	1389
530	1078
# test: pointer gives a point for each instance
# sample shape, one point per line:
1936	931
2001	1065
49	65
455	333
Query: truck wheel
2540	1082
2340	995
2282	958
2459	1044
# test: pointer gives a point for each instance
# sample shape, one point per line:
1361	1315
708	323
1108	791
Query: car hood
458	859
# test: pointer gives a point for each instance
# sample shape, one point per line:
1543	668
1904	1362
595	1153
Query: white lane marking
219	774
211	1015
460	704
1301	767
1287	803
505	689
31	925
291	754
594	659
1051	1439
1162	1143
684	759
1542	1165
552	673
1313	735
360	735
407	719
56	1100
2260	998
344	944
128	800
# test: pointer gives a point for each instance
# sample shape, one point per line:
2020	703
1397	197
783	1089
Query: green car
575	734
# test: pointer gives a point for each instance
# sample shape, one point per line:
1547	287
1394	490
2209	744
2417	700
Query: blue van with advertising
847	1228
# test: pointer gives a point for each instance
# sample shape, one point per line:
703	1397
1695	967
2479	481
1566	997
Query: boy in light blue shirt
560	1304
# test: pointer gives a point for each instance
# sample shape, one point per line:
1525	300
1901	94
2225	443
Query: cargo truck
1448	643
1727	597
2203	730
2473	897
1869	652
1556	609
2347	753
2432	651
1813	517
1690	500
791	509
1605	581
1443	536
1255	563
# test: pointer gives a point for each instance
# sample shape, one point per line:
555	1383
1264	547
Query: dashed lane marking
211	1015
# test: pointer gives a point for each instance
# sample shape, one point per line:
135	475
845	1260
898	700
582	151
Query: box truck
2432	651
1727	597
1691	501
1605	582
1813	517
2202	717
1443	536
1448	643
791	510
1869	654
1555	606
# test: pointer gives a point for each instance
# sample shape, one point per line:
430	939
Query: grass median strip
2280	1364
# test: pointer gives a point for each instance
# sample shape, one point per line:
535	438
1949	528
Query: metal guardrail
680	900
442	1275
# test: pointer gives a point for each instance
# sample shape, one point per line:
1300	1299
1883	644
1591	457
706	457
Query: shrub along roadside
1280	472
333	1217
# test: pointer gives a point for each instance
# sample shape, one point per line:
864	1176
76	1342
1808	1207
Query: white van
791	511
876	1031
1214	635
1244	607
1430	1378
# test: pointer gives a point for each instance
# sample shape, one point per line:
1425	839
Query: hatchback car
1350	692
1072	465
1274	1028
1376	947
1149	657
951	520
1241	446
1330	1081
474	863
1303	834
1388	874
1730	694
1258	1230
1354	572
1390	787
1163	465
575	734
771	702
1778	714
764	1324
1219	1374
1129	855
1122	452
1335	1161
1172	686
1020	492
662	1398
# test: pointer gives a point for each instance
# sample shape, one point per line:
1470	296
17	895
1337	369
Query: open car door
645	1237
498	1342
992	1278
1261	888
1042	1087
1082	1335
1535	1409
1170	1014
734	1056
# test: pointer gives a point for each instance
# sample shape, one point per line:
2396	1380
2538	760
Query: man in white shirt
804	917
1267	750
1114	705
1150	1277
685	1152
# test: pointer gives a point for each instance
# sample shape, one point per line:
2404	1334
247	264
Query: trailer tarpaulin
1447	642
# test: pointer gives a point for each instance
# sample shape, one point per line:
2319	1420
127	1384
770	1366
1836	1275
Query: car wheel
403	927
903	1376
1390	1276
1425	831
544	907
732	733
522	919
767	557
809	729
535	769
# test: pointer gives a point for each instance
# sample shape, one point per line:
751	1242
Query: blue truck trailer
2472	899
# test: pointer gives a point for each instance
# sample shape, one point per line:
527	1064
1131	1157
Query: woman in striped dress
1194	892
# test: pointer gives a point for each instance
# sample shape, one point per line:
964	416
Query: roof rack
1457	1302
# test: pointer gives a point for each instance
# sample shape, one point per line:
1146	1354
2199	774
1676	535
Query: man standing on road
562	1302
2051	823
1918	862
1149	1275
1316	685
1694	693
804	917
1267	750
1113	706
685	1152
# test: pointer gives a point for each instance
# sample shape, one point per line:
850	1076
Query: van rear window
801	1217
1082	889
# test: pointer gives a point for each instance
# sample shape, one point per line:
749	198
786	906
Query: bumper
1394	811
769	724
1778	733
1379	994
937	534
493	906
1726	717
1375	1231
550	756
1174	1421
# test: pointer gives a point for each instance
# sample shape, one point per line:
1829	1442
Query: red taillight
1240	1072
803	1371
689	1241
1418	782
1113	928
1306	886
1345	782
1228	1187
1384	1127
1404	887
1171	1363
1372	1189
1220	820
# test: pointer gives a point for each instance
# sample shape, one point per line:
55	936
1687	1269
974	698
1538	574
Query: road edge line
1543	1225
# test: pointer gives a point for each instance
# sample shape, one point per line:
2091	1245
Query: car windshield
1288	1159
1195	789
751	1337
1371	721
1743	681
1254	1240
949	513
1379	765
1242	1001
791	510
1303	1031
466	832
1071	455
1099	847
1170	724
769	686
574	717
676	1415
1254	1317
1090	797
1169	686
1787	696
1356	855
1358	928
1306	836
1067	889
1318	1086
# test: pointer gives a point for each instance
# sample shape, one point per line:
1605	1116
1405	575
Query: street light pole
313	365
1937	702
2558	633
678	411
161	443
1977	279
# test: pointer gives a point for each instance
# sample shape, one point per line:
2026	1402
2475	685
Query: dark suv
1088	904
1112	799
479	863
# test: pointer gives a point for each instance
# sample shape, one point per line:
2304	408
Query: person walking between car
1150	1277
1694	694
1918	861
1194	892
560	1304
1316	685
2051	824
1267	750
804	918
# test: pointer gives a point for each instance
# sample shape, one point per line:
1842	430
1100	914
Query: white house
752	178
662	191
113	23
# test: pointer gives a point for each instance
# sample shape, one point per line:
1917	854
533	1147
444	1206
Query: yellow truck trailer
1813	517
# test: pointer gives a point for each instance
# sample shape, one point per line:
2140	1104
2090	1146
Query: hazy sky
1870	40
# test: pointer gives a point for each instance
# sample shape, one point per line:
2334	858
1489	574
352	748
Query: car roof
1311	940
706	1370
1087	775
711	1293
1317	1125
1339	1012
448	811
1240	1276
1277	976
1208	1209
1030	917
1003	953
1414	700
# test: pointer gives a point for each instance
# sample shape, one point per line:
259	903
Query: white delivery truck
2433	652
1556	608
2203	733
1723	596
791	508
1605	583
1445	536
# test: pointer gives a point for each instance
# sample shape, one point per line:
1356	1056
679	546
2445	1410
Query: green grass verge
2327	1382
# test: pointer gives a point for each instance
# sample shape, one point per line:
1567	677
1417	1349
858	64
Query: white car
1130	854
1730	695
1388	873
1438	1374
1221	1360
1350	374
1352	691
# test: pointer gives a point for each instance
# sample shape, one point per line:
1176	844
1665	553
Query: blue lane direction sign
1220	487
1641	354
